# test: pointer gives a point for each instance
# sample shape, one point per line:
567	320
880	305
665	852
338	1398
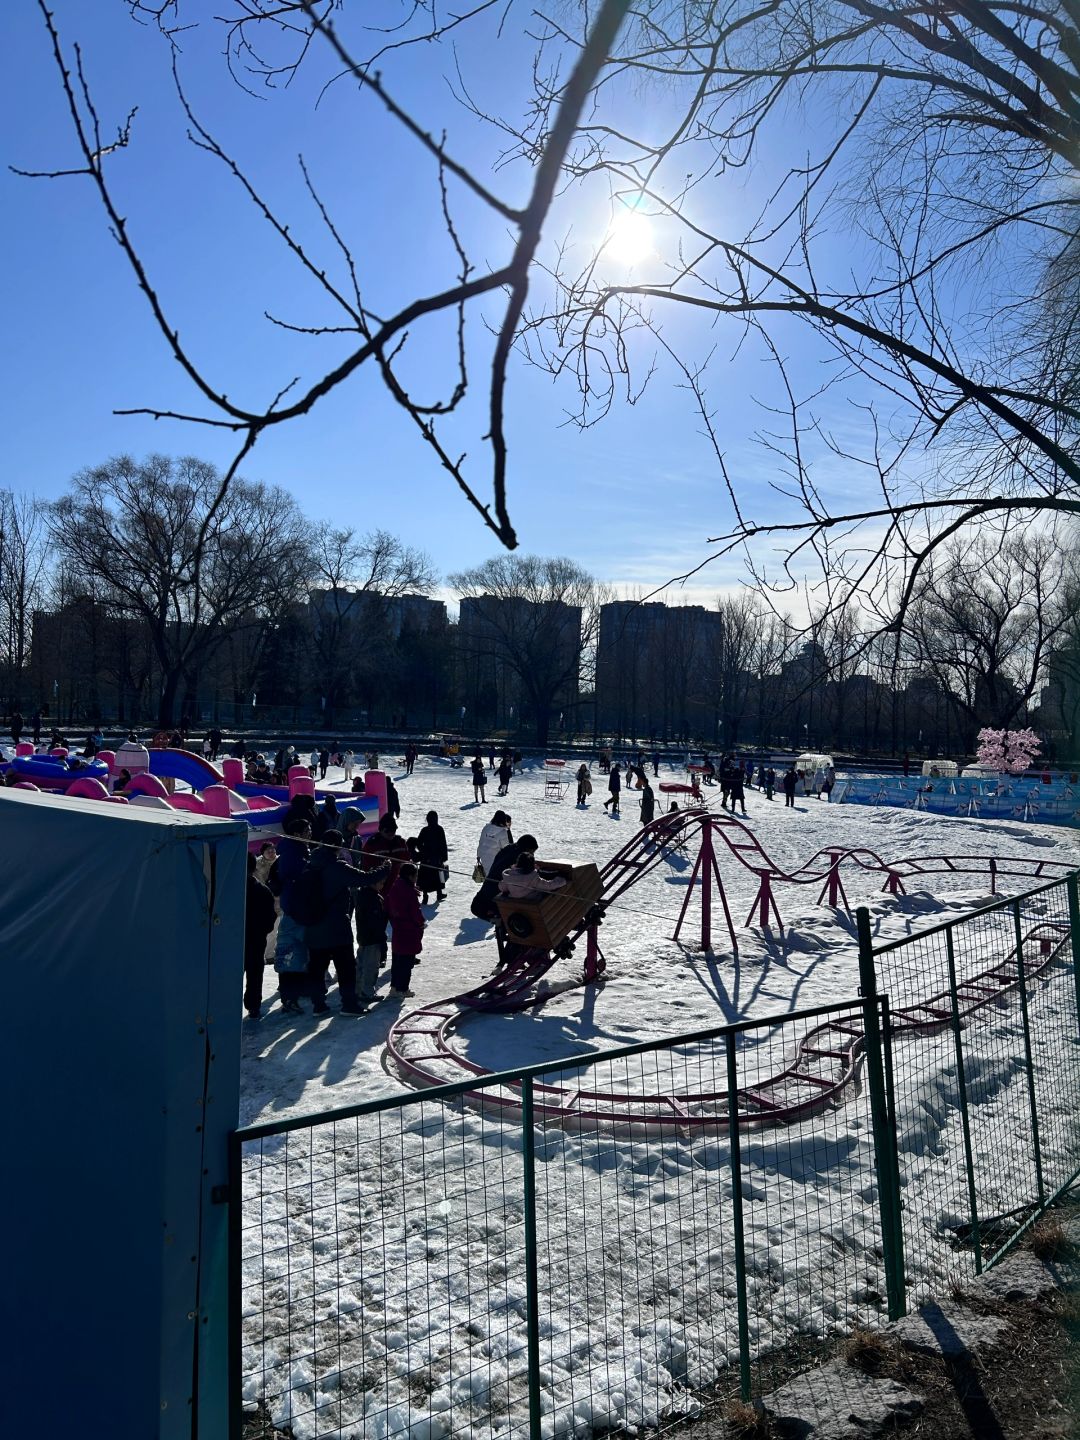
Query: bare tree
984	621
356	576
533	617
163	545
23	577
946	139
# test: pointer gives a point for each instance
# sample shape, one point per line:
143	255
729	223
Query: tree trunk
543	723
170	685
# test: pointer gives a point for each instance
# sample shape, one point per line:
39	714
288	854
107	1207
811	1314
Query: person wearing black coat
790	781
432	853
648	804
331	937
483	903
326	819
259	917
393	799
614	784
370	940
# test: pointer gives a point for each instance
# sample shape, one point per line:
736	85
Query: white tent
938	768
812	767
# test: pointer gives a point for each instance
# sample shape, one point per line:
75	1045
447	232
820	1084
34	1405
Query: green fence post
532	1288
234	1268
1072	887
737	1216
961	1084
1022	981
885	1162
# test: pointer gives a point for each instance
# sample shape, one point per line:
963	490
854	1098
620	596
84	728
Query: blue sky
632	499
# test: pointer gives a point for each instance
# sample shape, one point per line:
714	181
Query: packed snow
385	1255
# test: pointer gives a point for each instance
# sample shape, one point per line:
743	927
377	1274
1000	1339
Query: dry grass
1049	1240
744	1422
867	1350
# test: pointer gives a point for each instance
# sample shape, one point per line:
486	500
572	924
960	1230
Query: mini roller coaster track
826	1058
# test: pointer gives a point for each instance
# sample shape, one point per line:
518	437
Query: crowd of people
333	899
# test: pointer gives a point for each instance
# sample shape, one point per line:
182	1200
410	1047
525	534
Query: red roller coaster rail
826	1059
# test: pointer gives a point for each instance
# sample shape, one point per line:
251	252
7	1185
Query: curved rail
827	1057
825	1062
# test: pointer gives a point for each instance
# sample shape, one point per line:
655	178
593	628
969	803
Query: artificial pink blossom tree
1009	750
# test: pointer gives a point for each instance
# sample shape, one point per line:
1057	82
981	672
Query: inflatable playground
155	773
548	929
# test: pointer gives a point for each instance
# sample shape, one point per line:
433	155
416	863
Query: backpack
307	898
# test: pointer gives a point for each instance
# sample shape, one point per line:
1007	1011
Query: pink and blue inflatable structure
223	792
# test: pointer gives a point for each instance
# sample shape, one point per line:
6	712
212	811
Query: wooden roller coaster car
544	921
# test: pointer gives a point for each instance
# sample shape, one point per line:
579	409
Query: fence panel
626	1240
622	1256
986	1076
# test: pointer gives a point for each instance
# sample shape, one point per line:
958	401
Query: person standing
584	784
324	761
393	800
259	919
313	763
348	761
726	772
655	763
330	938
614	785
907	764
648	803
326	819
36	723
406	929
791	780
506	770
479	781
494	837
370	940
386	844
291	954
737	791
431	848
770	782
827	783
16	726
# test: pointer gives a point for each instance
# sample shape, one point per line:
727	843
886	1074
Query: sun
630	239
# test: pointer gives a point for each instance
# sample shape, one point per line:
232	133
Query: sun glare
630	239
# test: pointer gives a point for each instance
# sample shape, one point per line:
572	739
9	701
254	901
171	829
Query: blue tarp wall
121	941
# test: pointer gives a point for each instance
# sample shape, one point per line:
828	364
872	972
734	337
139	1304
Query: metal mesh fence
618	1243
985	1070
609	1255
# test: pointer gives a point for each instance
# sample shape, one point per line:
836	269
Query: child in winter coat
524	882
406	929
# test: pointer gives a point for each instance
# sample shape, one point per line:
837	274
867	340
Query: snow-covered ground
389	1298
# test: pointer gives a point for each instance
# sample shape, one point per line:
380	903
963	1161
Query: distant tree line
148	595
